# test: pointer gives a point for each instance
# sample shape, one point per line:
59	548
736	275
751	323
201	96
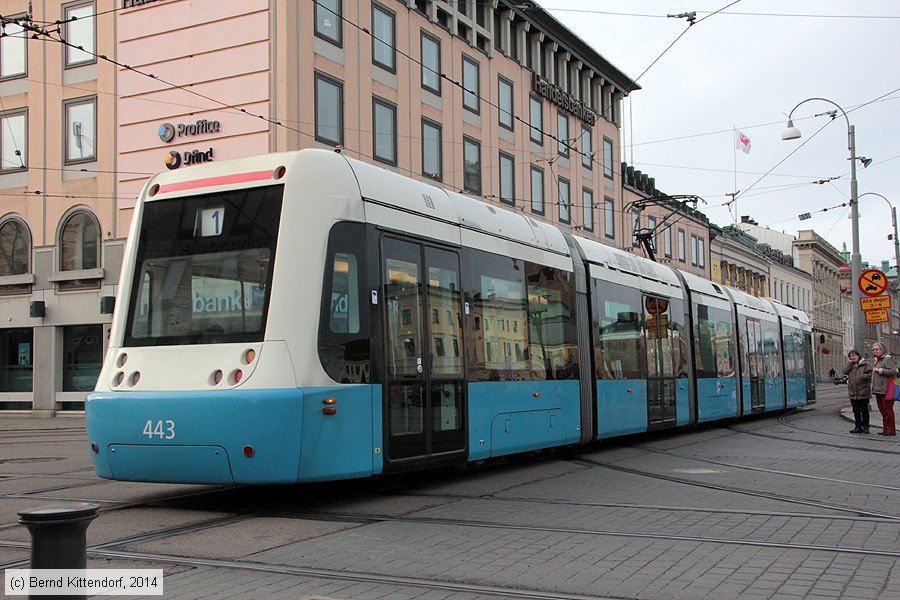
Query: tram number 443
164	430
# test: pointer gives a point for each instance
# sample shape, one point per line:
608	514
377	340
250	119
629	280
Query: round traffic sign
872	282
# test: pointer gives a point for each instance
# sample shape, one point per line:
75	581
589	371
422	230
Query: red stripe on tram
214	181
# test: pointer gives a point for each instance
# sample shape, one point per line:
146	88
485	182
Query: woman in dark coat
883	371
859	388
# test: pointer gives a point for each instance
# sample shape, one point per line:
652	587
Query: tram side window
619	342
498	339
809	366
551	323
771	349
753	346
714	338
679	335
344	330
793	353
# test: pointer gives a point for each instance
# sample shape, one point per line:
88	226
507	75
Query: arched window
79	243
15	248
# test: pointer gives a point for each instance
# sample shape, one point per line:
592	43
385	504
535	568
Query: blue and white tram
304	316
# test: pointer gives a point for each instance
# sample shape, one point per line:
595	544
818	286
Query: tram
304	316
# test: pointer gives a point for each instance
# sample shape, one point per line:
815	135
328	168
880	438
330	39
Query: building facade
736	261
494	98
60	227
787	283
484	97
680	232
822	260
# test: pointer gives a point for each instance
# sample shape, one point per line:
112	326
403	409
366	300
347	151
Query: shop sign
568	103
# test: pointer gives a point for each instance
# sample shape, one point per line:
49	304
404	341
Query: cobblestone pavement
784	506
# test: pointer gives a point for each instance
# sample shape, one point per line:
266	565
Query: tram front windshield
203	269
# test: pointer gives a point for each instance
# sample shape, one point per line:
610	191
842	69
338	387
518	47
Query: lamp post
896	249
792	133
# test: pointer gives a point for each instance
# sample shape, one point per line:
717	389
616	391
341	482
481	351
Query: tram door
424	351
755	365
660	363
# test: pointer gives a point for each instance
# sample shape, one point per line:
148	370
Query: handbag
894	387
891	390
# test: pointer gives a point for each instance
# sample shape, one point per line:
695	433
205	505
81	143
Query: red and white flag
741	142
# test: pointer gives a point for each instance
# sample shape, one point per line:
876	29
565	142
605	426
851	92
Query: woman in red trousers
883	371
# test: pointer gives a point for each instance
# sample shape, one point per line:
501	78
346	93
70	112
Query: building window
471	166
681	243
79	33
635	225
609	217
587	148
507	179
15	248
83	352
505	102
16	361
607	158
79	243
431	63
383	53
13	141
432	162
536	120
667	242
329	110
701	253
13	51
587	202
328	20
537	190
471	89
651	227
694	250
384	117
565	201
81	130
562	134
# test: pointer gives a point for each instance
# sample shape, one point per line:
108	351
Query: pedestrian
859	388
831	373
883	371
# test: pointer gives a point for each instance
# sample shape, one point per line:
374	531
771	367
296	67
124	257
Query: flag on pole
741	142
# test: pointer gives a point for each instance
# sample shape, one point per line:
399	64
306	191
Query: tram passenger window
344	316
343	332
793	353
714	338
620	350
551	323
496	291
771	351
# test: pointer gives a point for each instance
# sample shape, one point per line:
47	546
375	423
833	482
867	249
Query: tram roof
613	258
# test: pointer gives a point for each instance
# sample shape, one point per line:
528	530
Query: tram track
764	470
736	490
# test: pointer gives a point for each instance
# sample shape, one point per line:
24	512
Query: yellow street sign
875	302
877	316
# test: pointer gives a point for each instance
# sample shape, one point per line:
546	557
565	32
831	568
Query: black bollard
59	537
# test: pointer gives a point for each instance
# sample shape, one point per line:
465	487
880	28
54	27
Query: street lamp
896	241
792	133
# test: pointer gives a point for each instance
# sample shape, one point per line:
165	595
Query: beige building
736	261
60	227
823	261
787	283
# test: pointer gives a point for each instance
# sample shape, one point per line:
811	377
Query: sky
746	68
